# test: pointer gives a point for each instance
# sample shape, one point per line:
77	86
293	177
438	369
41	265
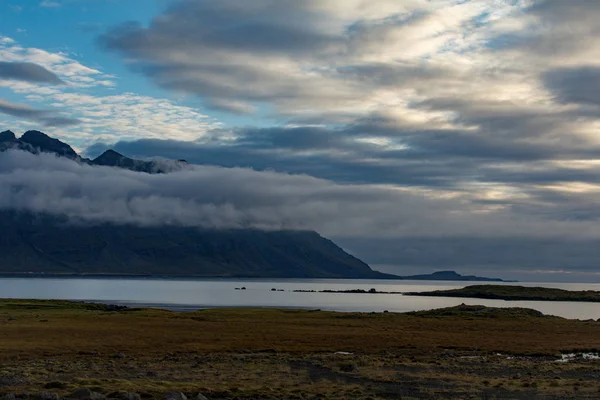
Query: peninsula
505	292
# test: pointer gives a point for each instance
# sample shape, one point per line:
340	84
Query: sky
417	134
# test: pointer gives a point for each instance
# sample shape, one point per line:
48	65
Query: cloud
380	152
68	70
383	225
49	4
231	106
29	72
554	33
301	58
239	197
418	93
45	117
531	259
90	98
579	85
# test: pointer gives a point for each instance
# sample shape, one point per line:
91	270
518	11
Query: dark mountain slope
45	143
7	136
45	244
48	244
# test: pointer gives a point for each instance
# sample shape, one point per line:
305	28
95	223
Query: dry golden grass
42	329
249	353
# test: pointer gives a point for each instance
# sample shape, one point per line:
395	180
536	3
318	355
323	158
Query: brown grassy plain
267	353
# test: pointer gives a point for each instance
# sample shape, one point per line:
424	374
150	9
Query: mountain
450	276
38	142
111	158
42	142
50	244
34	243
7	137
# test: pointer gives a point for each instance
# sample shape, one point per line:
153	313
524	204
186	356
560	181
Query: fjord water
191	294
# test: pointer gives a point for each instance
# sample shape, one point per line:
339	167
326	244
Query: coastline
384	277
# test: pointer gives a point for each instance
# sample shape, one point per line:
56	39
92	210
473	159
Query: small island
504	292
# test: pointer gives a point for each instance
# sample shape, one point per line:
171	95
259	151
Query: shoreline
377	277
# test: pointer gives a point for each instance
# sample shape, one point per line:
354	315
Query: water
189	294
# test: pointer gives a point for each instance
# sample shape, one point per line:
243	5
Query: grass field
467	351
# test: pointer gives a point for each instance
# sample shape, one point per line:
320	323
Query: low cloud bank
208	196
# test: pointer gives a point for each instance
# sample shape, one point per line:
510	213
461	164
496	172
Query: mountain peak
109	156
35	142
7	136
47	144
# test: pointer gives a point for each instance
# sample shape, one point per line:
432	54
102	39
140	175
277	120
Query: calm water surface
190	294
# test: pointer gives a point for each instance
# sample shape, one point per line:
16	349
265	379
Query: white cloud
217	197
107	118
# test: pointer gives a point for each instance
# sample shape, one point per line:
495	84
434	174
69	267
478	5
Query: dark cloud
263	26
234	53
429	158
293	152
575	85
557	11
56	121
386	75
44	117
555	29
28	72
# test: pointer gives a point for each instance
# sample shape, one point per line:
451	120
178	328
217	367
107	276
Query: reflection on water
205	293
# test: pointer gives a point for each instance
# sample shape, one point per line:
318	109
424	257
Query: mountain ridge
38	142
46	244
40	243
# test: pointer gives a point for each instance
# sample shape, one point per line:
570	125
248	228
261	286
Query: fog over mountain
383	225
218	197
